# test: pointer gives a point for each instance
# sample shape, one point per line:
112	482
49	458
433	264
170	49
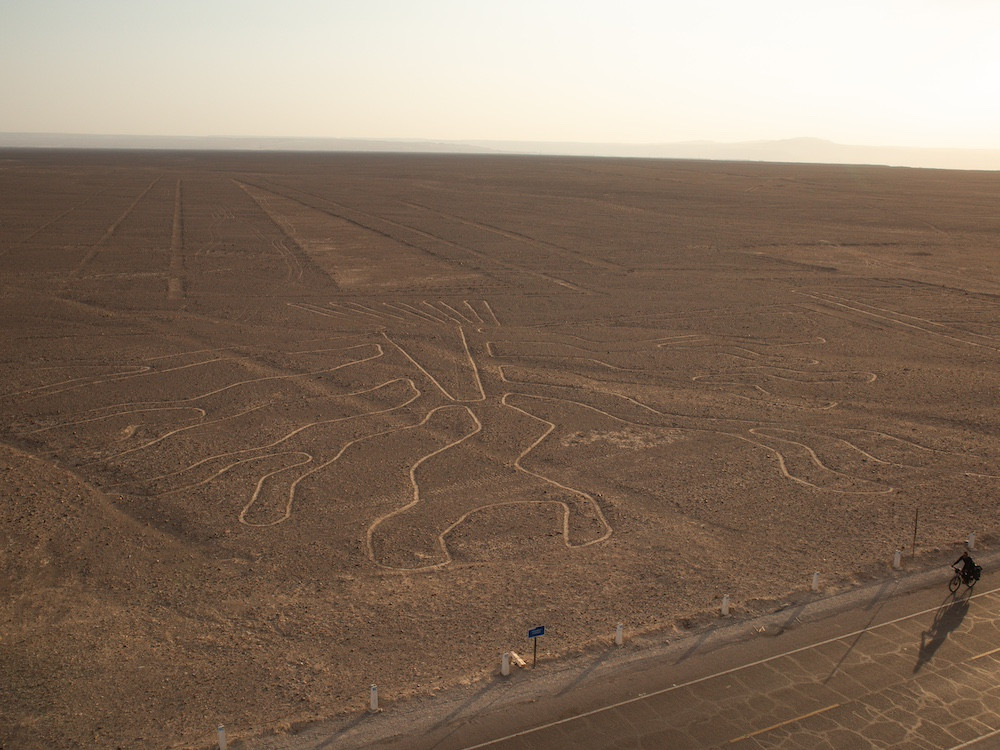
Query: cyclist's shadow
947	618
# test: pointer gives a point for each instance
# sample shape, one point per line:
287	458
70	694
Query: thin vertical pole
534	660
916	517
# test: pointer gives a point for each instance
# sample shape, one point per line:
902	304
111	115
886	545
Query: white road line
970	743
765	730
723	673
988	653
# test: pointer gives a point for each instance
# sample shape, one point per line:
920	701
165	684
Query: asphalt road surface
902	664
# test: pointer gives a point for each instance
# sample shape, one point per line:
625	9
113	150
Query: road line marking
783	723
984	654
970	743
724	672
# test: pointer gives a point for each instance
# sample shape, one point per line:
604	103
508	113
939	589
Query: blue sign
535	632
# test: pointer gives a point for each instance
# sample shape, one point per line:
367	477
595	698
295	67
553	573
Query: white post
619	635
373	704
972	541
815	584
222	737
897	560
505	664
725	606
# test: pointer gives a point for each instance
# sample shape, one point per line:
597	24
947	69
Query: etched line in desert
175	283
373	528
551	247
880	313
364	220
92	252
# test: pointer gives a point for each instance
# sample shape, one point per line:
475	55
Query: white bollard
373	704
222	737
619	635
972	540
815	583
897	560
725	606
505	664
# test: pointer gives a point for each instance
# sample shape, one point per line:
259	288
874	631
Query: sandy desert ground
276	427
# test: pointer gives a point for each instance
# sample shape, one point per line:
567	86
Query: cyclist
969	569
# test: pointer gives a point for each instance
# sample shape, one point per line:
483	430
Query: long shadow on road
947	618
875	606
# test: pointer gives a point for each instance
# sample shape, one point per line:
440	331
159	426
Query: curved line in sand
815	459
416	488
586	496
229	466
782	465
848	443
567	511
441	538
237	384
302	428
260	484
163	437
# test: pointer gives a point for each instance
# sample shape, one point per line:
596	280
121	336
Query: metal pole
222	737
534	660
619	635
373	703
916	517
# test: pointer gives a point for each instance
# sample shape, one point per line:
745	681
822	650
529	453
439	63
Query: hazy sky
879	72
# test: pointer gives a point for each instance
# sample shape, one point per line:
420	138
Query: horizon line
798	149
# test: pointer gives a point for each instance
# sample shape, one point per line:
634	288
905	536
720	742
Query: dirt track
275	427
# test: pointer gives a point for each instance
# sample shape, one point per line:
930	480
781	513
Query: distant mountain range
801	150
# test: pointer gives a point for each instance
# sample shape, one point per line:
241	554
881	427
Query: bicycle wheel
954	583
972	582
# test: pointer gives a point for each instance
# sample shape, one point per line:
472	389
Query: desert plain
275	427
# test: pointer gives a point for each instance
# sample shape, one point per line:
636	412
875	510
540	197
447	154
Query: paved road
874	668
926	679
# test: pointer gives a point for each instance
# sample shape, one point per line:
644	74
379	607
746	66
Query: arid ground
274	427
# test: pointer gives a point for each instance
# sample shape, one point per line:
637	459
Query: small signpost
534	634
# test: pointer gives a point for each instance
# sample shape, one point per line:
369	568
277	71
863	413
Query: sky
918	73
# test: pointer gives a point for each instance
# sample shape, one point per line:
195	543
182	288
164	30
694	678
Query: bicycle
960	577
